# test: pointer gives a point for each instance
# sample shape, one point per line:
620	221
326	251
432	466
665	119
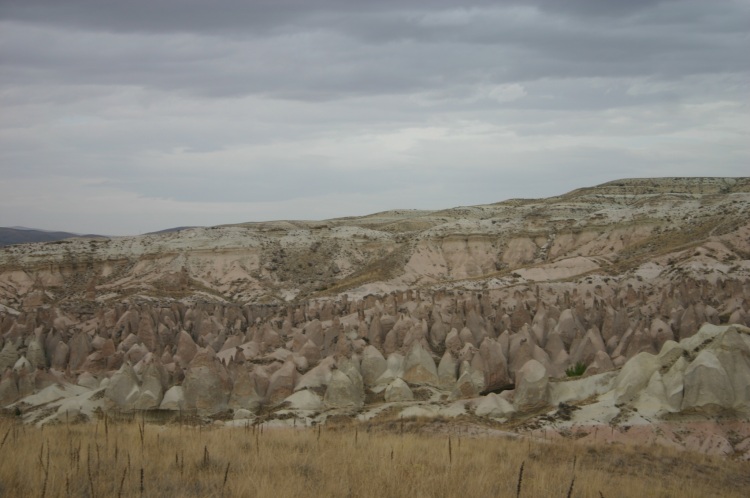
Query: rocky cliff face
396	306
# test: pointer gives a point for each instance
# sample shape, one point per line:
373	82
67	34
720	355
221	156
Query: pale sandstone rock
447	370
706	384
305	400
419	367
342	392
22	364
532	387
373	365
35	354
86	379
394	369
494	406
174	399
634	376
317	378
398	390
465	386
152	386
123	388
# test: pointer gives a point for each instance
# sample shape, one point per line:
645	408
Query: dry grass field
107	459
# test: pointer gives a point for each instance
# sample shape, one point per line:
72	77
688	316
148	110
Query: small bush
576	370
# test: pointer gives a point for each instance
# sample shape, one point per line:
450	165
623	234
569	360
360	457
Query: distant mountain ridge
22	235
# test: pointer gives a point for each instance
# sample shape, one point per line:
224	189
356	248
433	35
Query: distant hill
170	230
19	235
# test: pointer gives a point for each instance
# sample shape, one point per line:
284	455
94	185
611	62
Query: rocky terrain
482	313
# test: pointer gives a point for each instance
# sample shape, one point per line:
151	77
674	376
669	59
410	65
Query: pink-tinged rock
282	383
519	317
495	365
244	391
375	332
129	341
601	363
146	333
232	342
467	337
438	333
317	378
447	370
80	348
136	353
153	383
640	342
738	317
689	323
453	342
96	363
660	332
60	356
186	349
588	347
569	327
311	352
314	332
271	339
8	387
207	384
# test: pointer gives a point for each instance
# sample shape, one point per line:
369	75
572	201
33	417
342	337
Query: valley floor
397	458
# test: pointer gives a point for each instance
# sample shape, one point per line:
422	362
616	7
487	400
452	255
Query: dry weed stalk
122	482
572	483
520	479
226	474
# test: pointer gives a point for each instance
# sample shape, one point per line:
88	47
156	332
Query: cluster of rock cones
665	338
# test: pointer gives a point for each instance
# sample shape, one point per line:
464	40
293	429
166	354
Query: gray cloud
211	111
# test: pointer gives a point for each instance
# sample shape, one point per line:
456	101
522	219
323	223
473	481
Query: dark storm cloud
198	15
334	49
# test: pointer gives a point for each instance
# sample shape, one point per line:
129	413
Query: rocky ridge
418	310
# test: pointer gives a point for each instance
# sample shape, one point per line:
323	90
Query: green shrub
576	370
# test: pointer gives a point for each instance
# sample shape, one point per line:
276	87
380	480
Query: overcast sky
122	117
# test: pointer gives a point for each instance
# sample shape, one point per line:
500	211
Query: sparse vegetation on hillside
576	370
135	459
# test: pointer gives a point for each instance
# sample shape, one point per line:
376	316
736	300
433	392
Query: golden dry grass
106	459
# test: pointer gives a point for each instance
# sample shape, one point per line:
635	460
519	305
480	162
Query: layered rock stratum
474	311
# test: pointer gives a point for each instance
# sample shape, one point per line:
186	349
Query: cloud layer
125	117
